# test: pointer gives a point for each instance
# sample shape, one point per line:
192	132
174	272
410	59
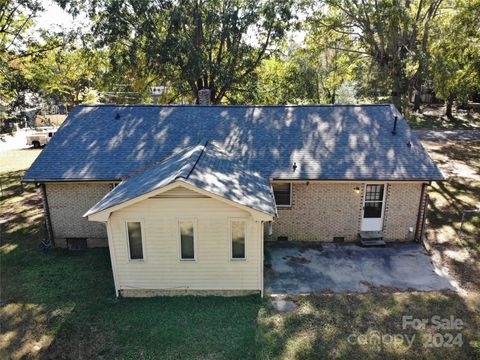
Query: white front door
373	204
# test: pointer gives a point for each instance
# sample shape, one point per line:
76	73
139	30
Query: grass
433	117
359	326
58	305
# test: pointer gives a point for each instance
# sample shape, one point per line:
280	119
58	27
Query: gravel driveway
298	269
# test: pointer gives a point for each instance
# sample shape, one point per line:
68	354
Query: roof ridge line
195	163
232	105
147	167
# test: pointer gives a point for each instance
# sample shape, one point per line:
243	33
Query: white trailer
40	137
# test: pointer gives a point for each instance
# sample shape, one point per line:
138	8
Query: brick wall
68	202
322	211
401	210
319	212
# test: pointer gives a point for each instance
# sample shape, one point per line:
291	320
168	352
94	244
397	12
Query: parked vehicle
41	136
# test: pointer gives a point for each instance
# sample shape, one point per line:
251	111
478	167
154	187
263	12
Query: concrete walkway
297	269
446	135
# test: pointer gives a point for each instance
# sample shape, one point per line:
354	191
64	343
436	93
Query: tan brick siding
67	203
401	210
321	211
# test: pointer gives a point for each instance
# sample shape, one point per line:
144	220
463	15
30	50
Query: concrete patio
293	268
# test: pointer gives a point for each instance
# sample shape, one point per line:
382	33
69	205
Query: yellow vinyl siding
162	268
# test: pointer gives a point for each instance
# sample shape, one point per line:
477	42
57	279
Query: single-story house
185	196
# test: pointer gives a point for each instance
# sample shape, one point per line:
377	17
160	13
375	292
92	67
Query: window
187	239
373	201
282	193
135	245
238	239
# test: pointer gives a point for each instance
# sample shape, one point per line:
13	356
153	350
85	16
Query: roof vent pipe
204	97
395	119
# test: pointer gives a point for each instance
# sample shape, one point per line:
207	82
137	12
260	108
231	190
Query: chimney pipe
395	119
204	97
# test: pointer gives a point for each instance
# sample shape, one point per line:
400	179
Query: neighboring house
49	120
185	195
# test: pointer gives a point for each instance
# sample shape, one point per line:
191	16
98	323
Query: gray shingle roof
206	167
340	142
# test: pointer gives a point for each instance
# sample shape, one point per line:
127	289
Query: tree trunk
449	105
397	94
416	100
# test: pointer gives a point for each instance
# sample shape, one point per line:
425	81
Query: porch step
373	243
371	238
368	235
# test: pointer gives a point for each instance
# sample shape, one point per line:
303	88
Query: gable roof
207	167
336	142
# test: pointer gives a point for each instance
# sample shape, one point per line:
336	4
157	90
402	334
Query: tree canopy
244	51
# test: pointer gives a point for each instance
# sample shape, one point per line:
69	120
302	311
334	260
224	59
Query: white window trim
291	193
230	239
142	229
194	221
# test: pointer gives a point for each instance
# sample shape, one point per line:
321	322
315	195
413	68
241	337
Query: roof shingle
339	142
207	167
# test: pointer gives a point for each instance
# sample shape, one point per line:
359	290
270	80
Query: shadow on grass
433	117
361	326
63	306
58	306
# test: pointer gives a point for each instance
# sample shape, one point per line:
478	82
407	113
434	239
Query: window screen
187	247
135	240
282	194
238	239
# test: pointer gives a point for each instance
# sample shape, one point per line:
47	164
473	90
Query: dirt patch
297	260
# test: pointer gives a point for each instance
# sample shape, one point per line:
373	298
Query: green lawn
63	305
58	305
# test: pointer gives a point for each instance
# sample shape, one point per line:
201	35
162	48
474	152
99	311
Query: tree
333	65
18	45
16	18
455	53
68	75
393	33
195	44
311	73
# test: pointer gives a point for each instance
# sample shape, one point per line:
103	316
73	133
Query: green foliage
393	34
68	75
15	21
195	44
242	50
455	52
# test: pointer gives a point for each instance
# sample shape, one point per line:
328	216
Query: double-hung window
135	240
238	234
186	229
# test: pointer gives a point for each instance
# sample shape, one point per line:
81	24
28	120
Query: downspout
422	210
46	209
113	258
261	258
